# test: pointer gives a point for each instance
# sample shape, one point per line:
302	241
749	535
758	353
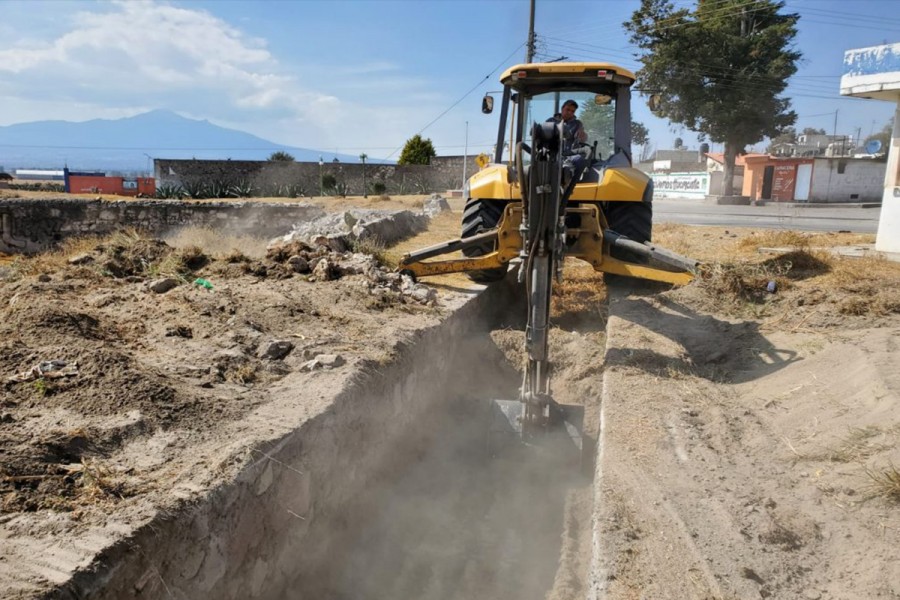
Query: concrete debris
161	286
435	205
324	264
341	231
324	271
275	350
403	286
323	361
48	369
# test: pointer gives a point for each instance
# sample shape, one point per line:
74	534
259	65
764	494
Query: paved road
771	216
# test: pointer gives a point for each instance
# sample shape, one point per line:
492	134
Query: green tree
678	144
813	131
719	69
598	124
281	157
787	136
417	151
639	134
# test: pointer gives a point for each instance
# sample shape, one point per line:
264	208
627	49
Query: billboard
681	185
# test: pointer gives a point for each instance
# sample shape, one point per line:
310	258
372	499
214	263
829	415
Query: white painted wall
888	239
861	181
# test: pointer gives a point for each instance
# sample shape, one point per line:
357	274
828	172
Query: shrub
329	182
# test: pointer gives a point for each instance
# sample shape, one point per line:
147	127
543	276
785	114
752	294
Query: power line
464	96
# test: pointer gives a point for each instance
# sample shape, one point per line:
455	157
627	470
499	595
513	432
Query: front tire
480	215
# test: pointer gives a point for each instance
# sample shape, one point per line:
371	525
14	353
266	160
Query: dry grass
858	445
774	238
376	249
215	243
885	482
806	273
97	483
582	293
243	374
54	260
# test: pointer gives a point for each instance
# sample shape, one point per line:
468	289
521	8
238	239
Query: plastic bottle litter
203	283
771	287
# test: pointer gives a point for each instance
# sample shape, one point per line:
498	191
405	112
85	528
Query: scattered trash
48	369
771	287
203	283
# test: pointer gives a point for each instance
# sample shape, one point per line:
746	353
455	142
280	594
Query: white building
875	73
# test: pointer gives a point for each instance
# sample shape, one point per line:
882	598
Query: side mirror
654	102
487	105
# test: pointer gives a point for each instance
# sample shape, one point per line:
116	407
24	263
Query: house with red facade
808	179
101	183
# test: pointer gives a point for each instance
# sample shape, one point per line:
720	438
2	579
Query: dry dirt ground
756	431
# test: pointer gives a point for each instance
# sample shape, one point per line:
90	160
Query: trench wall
28	226
278	529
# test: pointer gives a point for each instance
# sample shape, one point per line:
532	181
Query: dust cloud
457	523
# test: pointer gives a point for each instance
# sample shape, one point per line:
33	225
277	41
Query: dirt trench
389	493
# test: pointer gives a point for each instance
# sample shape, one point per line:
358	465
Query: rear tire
481	215
634	220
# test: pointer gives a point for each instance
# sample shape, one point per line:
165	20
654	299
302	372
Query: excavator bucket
562	436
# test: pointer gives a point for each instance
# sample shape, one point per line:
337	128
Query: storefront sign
681	185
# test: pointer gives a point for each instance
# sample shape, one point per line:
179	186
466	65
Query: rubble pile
321	262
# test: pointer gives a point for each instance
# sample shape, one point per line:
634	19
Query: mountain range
128	145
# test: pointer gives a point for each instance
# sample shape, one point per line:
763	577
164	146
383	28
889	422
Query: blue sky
357	76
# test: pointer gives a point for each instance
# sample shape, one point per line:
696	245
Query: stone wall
28	226
443	174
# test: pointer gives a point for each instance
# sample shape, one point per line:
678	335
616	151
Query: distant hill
127	144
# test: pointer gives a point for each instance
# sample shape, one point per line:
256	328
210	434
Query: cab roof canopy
565	75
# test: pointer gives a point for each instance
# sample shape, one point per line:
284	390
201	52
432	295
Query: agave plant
169	190
341	189
217	189
196	190
241	189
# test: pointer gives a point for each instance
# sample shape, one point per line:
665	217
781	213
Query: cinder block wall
445	173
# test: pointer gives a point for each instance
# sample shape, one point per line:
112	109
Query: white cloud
131	56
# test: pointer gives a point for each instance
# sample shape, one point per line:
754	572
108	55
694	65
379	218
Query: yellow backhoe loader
539	207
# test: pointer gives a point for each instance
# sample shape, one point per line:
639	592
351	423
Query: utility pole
465	155
529	56
834	131
363	158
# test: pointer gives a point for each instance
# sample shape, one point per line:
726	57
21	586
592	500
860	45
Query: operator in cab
574	136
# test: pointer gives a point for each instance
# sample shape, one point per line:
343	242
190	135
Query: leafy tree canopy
639	134
813	131
281	157
678	143
719	68
787	136
417	151
598	124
